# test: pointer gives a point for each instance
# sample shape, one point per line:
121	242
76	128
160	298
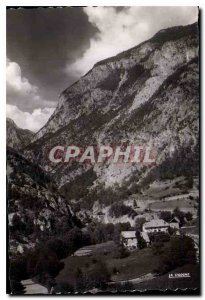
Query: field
139	263
169	194
182	203
137	268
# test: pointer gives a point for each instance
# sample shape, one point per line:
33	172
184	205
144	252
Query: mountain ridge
139	96
36	210
17	137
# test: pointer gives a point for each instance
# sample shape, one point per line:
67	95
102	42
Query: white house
129	240
155	225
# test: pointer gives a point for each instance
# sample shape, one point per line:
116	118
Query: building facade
129	240
155	225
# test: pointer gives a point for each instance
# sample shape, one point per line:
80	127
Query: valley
78	226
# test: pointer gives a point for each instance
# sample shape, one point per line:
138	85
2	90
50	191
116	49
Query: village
138	256
155	226
165	209
130	238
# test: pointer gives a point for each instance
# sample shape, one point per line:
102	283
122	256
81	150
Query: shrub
159	237
122	252
119	209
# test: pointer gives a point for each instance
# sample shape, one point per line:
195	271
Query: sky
50	48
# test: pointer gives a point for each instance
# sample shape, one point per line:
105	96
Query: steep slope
35	208
16	137
147	95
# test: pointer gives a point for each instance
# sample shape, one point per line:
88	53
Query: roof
145	236
155	223
128	234
175	220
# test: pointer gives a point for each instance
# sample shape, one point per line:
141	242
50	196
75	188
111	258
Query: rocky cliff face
16	137
146	95
35	208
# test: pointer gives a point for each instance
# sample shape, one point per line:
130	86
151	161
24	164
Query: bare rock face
35	208
16	137
145	95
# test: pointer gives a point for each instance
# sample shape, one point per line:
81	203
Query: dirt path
32	288
140	279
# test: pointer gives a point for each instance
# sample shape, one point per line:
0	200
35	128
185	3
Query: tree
180	215
189	216
141	243
139	223
122	252
180	251
18	224
42	262
120	209
99	234
57	246
166	216
18	269
73	240
16	287
117	230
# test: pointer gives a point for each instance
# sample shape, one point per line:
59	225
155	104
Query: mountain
147	95
16	137
36	211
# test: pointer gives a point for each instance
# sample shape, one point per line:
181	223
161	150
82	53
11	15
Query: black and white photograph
103	149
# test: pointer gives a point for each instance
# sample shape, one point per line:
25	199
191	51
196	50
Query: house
174	223
129	240
155	225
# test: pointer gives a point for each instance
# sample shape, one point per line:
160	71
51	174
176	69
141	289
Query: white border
51	3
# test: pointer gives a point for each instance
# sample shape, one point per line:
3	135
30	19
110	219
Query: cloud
26	120
120	30
20	91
